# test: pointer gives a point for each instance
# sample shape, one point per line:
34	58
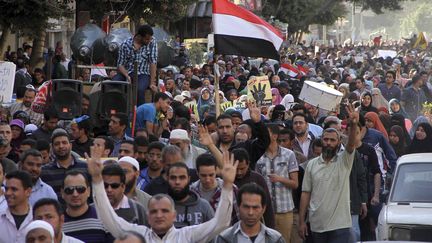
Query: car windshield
413	183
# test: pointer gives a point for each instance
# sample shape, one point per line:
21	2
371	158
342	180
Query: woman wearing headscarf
395	107
397	140
205	101
419	120
288	101
276	97
399	120
378	99
372	121
366	104
422	140
232	95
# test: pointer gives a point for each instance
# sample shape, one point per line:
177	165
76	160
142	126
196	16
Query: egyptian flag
238	31
289	70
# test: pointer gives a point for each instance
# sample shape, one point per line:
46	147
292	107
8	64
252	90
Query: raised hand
94	163
254	111
353	115
229	169
204	136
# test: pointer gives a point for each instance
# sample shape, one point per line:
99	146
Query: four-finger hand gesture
229	169
94	163
254	111
204	136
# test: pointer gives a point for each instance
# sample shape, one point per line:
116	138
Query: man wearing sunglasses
114	181
80	218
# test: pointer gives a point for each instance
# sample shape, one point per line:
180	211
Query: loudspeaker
66	98
114	98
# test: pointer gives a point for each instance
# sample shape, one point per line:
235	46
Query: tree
151	11
378	6
30	18
299	14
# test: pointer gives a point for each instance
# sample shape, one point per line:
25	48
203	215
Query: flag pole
216	87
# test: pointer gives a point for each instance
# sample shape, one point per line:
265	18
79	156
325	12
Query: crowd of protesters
287	172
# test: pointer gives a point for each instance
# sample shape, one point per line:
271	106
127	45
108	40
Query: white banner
7	80
387	53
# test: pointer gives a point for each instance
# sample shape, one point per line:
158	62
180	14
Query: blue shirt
145	113
393	93
146	55
41	190
144	179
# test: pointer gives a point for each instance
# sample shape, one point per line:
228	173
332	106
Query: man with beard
50	211
141	145
155	166
131	168
180	138
252	202
114	181
190	208
279	168
303	139
54	172
31	161
25	105
326	187
45	131
257	142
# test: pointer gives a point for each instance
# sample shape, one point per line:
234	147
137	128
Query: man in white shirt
161	213
18	214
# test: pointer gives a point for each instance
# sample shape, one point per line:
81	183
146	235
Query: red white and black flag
238	31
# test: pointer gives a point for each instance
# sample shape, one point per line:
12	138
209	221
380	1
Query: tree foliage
31	16
378	6
152	11
299	14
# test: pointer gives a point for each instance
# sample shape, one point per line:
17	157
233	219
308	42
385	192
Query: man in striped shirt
80	218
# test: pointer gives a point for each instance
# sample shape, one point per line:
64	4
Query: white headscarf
288	101
40	224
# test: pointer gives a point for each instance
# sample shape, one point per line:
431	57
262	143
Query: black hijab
422	146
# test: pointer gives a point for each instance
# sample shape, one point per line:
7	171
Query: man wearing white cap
39	231
132	170
180	138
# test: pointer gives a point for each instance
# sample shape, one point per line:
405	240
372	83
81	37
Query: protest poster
387	53
193	107
259	90
7	80
224	106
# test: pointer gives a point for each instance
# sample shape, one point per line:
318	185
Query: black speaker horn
67	97
114	98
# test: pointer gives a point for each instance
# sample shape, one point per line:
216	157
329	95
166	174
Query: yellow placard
224	106
259	90
192	105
